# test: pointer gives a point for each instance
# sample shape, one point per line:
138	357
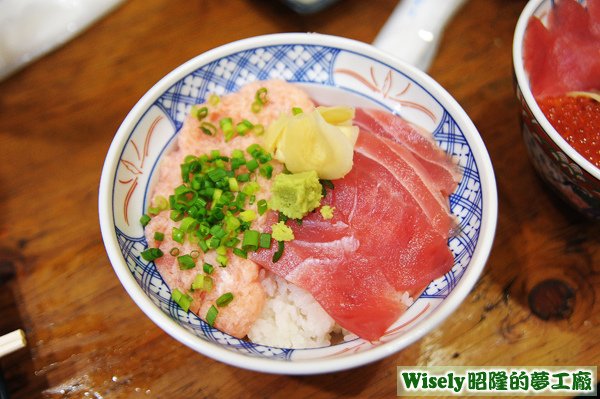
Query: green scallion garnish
211	316
186	262
208	268
203	283
214	100
183	300
261	95
250	240
241	253
151	254
224	299
262	206
199	112
264	240
208	128
280	247
145	219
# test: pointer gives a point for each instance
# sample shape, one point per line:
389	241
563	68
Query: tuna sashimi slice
565	55
403	136
379	249
421	188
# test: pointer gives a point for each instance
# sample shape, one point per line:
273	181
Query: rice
291	317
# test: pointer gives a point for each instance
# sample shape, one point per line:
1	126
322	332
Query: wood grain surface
537	302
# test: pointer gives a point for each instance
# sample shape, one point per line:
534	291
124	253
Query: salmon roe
577	119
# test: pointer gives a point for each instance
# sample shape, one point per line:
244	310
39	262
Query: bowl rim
523	84
320	365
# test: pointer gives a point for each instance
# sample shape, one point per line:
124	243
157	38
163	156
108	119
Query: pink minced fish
240	277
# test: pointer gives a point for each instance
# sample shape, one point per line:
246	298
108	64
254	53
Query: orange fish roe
577	119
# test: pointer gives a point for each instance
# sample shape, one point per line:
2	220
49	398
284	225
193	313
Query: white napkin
31	28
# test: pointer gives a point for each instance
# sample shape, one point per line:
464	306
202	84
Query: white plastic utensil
31	28
11	342
412	33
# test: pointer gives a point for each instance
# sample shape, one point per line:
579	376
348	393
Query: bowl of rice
292	333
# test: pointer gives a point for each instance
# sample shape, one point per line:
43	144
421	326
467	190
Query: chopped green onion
224	299
178	235
145	219
266	171
261	95
199	113
227	128
240	252
237	153
279	252
208	128
327	183
176	215
203	246
265	240
233	184
187	224
160	204
244	177
254	148
252	165
250	240
183	300
262	206
211	316
222	250
296	110
217	174
237	162
222	260
232	242
208	268
214	243
244	127
214	99
158	236
202	282
232	223
151	254
174	251
248	215
256	107
258	130
251	188
186	262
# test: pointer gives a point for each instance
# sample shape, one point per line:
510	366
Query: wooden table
86	336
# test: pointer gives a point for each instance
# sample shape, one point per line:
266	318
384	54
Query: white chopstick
12	341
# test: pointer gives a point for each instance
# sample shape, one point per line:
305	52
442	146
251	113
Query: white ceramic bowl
332	69
571	175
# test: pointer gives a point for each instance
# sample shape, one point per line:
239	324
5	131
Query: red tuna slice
537	46
593	7
378	248
566	56
422	188
443	174
570	18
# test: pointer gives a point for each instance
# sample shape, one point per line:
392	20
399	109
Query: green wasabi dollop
296	194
